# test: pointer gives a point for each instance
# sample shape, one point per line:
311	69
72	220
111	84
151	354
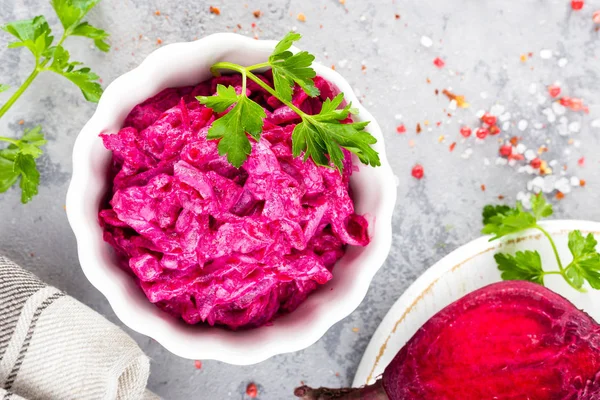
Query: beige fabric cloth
53	347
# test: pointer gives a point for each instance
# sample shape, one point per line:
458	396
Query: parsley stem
560	266
19	91
245	71
9	140
258	66
269	89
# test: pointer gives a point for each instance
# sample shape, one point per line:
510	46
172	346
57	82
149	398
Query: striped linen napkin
53	347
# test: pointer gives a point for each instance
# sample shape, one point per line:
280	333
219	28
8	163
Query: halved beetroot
509	340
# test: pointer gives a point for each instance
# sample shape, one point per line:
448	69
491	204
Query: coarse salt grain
398	116
505	117
467	153
497	109
574	181
575	126
532	88
506	126
541	98
501	161
553	163
521	148
342	63
525	199
479	113
486	161
558	108
546	54
595	123
484	95
522	125
549	114
549	182
563	185
452	105
563	62
529	154
426	41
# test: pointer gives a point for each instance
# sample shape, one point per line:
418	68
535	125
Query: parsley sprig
502	220
17	161
321	137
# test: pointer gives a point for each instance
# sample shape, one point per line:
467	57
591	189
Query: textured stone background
481	42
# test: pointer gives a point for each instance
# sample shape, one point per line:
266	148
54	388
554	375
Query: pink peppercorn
506	150
438	62
536	163
489	119
465	131
554	91
418	171
481	133
576	4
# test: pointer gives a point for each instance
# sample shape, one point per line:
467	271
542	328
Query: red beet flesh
509	340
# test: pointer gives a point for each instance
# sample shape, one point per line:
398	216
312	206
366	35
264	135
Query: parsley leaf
323	133
524	265
18	161
245	117
225	97
84	78
540	207
34	34
586	260
289	68
502	220
96	34
4	88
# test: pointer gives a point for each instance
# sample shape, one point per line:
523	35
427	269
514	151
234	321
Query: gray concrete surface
481	43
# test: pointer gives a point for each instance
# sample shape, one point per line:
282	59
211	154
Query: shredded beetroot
212	243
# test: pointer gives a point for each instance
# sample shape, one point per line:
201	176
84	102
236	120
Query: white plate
468	268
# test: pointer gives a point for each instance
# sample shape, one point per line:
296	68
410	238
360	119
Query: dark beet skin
507	341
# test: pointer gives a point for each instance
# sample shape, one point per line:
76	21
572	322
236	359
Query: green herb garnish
319	136
503	220
17	161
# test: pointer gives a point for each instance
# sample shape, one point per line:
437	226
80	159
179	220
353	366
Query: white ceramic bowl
183	64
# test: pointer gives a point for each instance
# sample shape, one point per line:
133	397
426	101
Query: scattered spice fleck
514	140
596	17
158	41
417	171
251	390
257	13
500	197
452	146
465	131
582	182
363	68
157	13
441	138
215	10
333	67
460	100
411	143
337	374
401	129
428	80
355	330
21	122
397	16
482	187
438	62
418	128
581	161
301	17
198	364
577	4
560	195
494	130
523	58
437	92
